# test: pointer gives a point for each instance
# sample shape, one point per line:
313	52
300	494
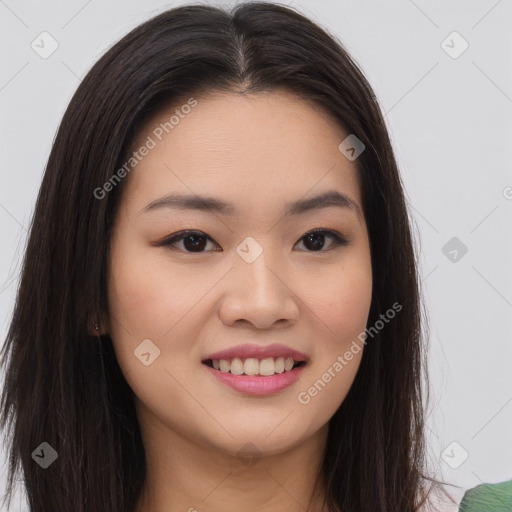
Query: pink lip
257	385
258	352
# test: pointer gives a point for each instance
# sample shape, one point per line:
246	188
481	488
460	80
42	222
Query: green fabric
488	498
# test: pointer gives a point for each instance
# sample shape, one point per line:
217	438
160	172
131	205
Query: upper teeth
252	366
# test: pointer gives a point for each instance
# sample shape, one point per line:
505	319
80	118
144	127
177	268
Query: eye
195	241
315	239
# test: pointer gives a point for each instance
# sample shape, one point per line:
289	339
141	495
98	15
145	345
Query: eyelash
338	239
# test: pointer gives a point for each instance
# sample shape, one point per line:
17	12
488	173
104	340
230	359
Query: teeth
252	366
237	367
267	366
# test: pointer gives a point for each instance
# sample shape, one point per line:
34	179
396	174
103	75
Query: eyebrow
329	199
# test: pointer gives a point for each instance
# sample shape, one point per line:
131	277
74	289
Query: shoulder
488	497
482	498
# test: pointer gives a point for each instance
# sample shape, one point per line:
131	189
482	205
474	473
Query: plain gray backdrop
442	74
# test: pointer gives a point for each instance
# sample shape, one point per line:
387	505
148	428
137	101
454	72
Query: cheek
146	296
150	301
352	303
341	301
150	298
341	307
341	313
140	298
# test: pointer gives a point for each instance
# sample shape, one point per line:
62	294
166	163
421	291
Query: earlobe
95	328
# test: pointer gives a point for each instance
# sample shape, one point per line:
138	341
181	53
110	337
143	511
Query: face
187	283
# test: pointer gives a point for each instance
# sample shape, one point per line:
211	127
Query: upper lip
258	352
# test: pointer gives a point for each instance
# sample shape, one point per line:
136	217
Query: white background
450	120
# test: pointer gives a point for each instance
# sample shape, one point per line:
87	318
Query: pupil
198	242
314	237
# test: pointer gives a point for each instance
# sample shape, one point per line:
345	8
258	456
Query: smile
257	384
265	367
256	369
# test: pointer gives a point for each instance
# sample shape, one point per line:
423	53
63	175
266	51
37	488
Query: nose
259	294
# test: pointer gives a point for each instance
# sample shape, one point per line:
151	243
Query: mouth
264	367
256	370
257	377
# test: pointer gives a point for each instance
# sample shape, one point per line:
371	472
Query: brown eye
196	241
314	241
193	241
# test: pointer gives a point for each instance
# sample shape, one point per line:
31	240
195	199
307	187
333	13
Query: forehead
252	149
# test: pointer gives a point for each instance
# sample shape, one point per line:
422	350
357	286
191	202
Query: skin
258	152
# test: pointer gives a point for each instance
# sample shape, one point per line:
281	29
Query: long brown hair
65	387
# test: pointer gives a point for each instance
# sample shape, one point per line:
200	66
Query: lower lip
259	386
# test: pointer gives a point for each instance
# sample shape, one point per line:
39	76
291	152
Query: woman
219	306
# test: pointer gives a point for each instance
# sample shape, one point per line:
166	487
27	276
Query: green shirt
488	498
